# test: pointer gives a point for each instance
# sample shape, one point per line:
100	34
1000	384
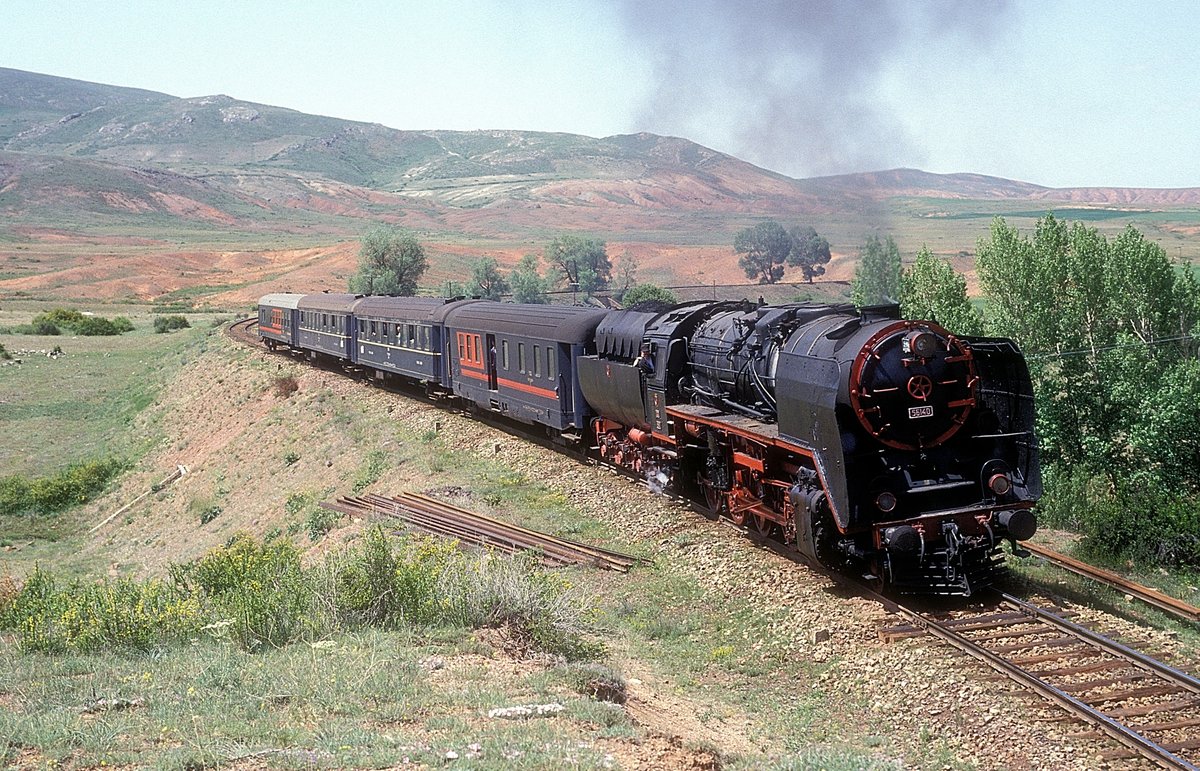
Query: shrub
260	588
14	495
489	591
45	328
62	317
4	354
259	594
50	322
381	586
96	326
164	324
286	385
320	522
76	484
116	613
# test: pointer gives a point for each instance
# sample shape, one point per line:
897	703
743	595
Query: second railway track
1148	706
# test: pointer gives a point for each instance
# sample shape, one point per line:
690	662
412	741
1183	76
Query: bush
117	613
4	354
79	323
488	591
380	586
320	522
259	594
1123	520
78	483
96	326
260	588
163	324
39	326
14	495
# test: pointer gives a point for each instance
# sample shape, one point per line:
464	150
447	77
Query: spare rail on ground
470	528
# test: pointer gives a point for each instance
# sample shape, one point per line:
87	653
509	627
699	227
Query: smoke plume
794	85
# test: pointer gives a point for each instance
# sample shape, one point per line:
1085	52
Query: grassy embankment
366	696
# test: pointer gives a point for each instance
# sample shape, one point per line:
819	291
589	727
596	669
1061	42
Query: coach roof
406	308
338	303
560	323
281	300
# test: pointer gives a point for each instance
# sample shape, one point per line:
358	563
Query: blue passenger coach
519	360
325	324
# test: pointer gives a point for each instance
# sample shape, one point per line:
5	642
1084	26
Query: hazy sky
1079	92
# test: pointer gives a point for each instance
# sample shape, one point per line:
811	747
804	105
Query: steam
794	85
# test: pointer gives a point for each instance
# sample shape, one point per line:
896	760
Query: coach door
492	376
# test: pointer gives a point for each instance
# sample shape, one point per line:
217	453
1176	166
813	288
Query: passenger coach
278	319
519	360
399	336
325	324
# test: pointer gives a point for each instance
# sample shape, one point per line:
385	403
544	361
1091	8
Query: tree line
392	261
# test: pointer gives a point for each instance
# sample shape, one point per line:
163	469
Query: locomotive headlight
886	502
1000	484
923	344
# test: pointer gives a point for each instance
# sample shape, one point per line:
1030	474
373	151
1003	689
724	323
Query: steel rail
1122	733
490	530
465	536
1164	602
597	551
445	519
1160	668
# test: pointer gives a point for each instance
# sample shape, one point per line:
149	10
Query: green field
59	411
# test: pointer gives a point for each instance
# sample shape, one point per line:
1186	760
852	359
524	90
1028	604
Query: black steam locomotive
884	447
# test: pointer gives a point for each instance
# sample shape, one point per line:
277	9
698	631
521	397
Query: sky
1062	94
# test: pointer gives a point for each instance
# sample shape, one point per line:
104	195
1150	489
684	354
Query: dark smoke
791	86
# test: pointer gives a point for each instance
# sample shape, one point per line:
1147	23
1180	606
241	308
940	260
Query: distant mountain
85	167
226	142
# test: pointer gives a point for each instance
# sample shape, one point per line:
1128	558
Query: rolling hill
135	175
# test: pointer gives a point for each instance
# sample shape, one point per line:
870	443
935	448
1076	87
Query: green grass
361	700
54	412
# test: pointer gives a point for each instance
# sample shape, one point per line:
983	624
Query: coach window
521	357
504	354
537	361
550	363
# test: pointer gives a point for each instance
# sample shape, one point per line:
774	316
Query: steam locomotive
883	447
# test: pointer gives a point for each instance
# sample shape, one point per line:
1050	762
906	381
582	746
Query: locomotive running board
756	431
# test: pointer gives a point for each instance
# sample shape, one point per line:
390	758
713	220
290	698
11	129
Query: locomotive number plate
920	412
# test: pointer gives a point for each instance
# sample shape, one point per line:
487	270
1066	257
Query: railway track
242	330
1148	706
